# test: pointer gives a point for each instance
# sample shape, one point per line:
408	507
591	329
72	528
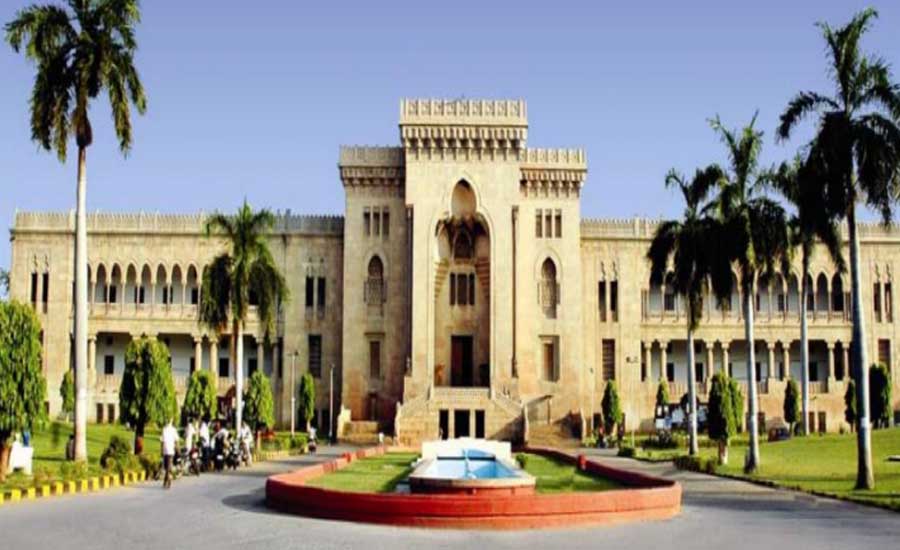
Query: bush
522	459
696	464
663	439
880	396
117	457
627	452
42	475
73	471
299	441
151	466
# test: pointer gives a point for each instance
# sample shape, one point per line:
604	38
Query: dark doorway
461	423
479	424
461	367
444	424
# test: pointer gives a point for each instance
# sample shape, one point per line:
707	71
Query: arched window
548	291
837	293
374	293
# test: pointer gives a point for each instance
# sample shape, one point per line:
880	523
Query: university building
460	294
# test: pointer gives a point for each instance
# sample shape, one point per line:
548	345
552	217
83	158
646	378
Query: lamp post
293	391
331	403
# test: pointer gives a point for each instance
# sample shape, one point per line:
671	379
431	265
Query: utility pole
293	391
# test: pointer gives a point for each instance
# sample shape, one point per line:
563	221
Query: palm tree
856	150
80	52
247	273
697	261
798	183
759	243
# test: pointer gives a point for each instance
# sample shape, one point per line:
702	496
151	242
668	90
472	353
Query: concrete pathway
226	511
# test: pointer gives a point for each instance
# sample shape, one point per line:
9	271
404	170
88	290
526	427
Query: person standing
204	442
169	439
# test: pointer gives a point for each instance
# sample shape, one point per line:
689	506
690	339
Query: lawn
50	448
377	474
826	464
381	474
554	476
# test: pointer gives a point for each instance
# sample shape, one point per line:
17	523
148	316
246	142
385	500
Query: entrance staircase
361	432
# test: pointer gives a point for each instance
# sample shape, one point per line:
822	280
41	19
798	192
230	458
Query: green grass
825	464
50	449
378	474
558	477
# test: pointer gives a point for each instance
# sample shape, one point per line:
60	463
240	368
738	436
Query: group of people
211	443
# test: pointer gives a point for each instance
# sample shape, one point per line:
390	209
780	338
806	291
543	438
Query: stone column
662	359
260	355
771	346
786	350
710	345
648	359
830	361
92	355
725	359
198	352
214	356
275	359
845	349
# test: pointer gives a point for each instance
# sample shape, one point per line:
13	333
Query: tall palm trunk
692	391
752	462
238	335
865	478
81	313
804	345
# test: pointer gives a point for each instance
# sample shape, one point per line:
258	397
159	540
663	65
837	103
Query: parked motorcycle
191	461
233	457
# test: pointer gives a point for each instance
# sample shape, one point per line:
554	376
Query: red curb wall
647	498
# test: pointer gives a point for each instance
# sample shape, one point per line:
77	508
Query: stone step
362	427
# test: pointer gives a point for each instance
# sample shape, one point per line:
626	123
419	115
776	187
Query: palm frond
216	293
802	105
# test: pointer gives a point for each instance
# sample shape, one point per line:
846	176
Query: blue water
468	467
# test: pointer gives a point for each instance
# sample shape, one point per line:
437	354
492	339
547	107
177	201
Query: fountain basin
475	472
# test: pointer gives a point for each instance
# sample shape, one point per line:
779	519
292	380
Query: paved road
225	511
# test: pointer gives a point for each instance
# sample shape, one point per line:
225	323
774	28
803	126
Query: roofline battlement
364	155
464	112
568	159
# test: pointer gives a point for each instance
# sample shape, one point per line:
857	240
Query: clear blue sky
254	101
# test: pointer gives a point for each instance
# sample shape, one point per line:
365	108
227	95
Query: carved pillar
662	359
710	350
275	358
260	354
648	359
198	352
830	361
725	358
786	350
214	356
771	346
845	348
92	355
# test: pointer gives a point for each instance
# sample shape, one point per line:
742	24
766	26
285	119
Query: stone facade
461	294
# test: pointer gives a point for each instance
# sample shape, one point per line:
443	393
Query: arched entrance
462	292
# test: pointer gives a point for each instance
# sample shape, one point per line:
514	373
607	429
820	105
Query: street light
293	391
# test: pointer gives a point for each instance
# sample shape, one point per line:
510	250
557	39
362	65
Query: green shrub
73	471
627	452
42	475
589	441
695	464
151	466
299	441
522	459
662	439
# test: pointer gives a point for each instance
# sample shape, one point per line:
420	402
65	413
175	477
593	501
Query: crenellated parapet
463	130
372	166
155	223
556	173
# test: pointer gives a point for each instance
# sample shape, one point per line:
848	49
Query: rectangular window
310	290
888	301
453	289
114	294
109	364
141	296
321	292
223	367
884	352
195	296
375	358
609	359
471	289
558	232
479	424
601	299
549	359
99	418
166	296
376	222
385	224
252	365
876	298
538	224
45	287
670	372
813	371
34	285
462	292
698	372
781	303
315	355
614	300
111	413
548	224
669	301
367	222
